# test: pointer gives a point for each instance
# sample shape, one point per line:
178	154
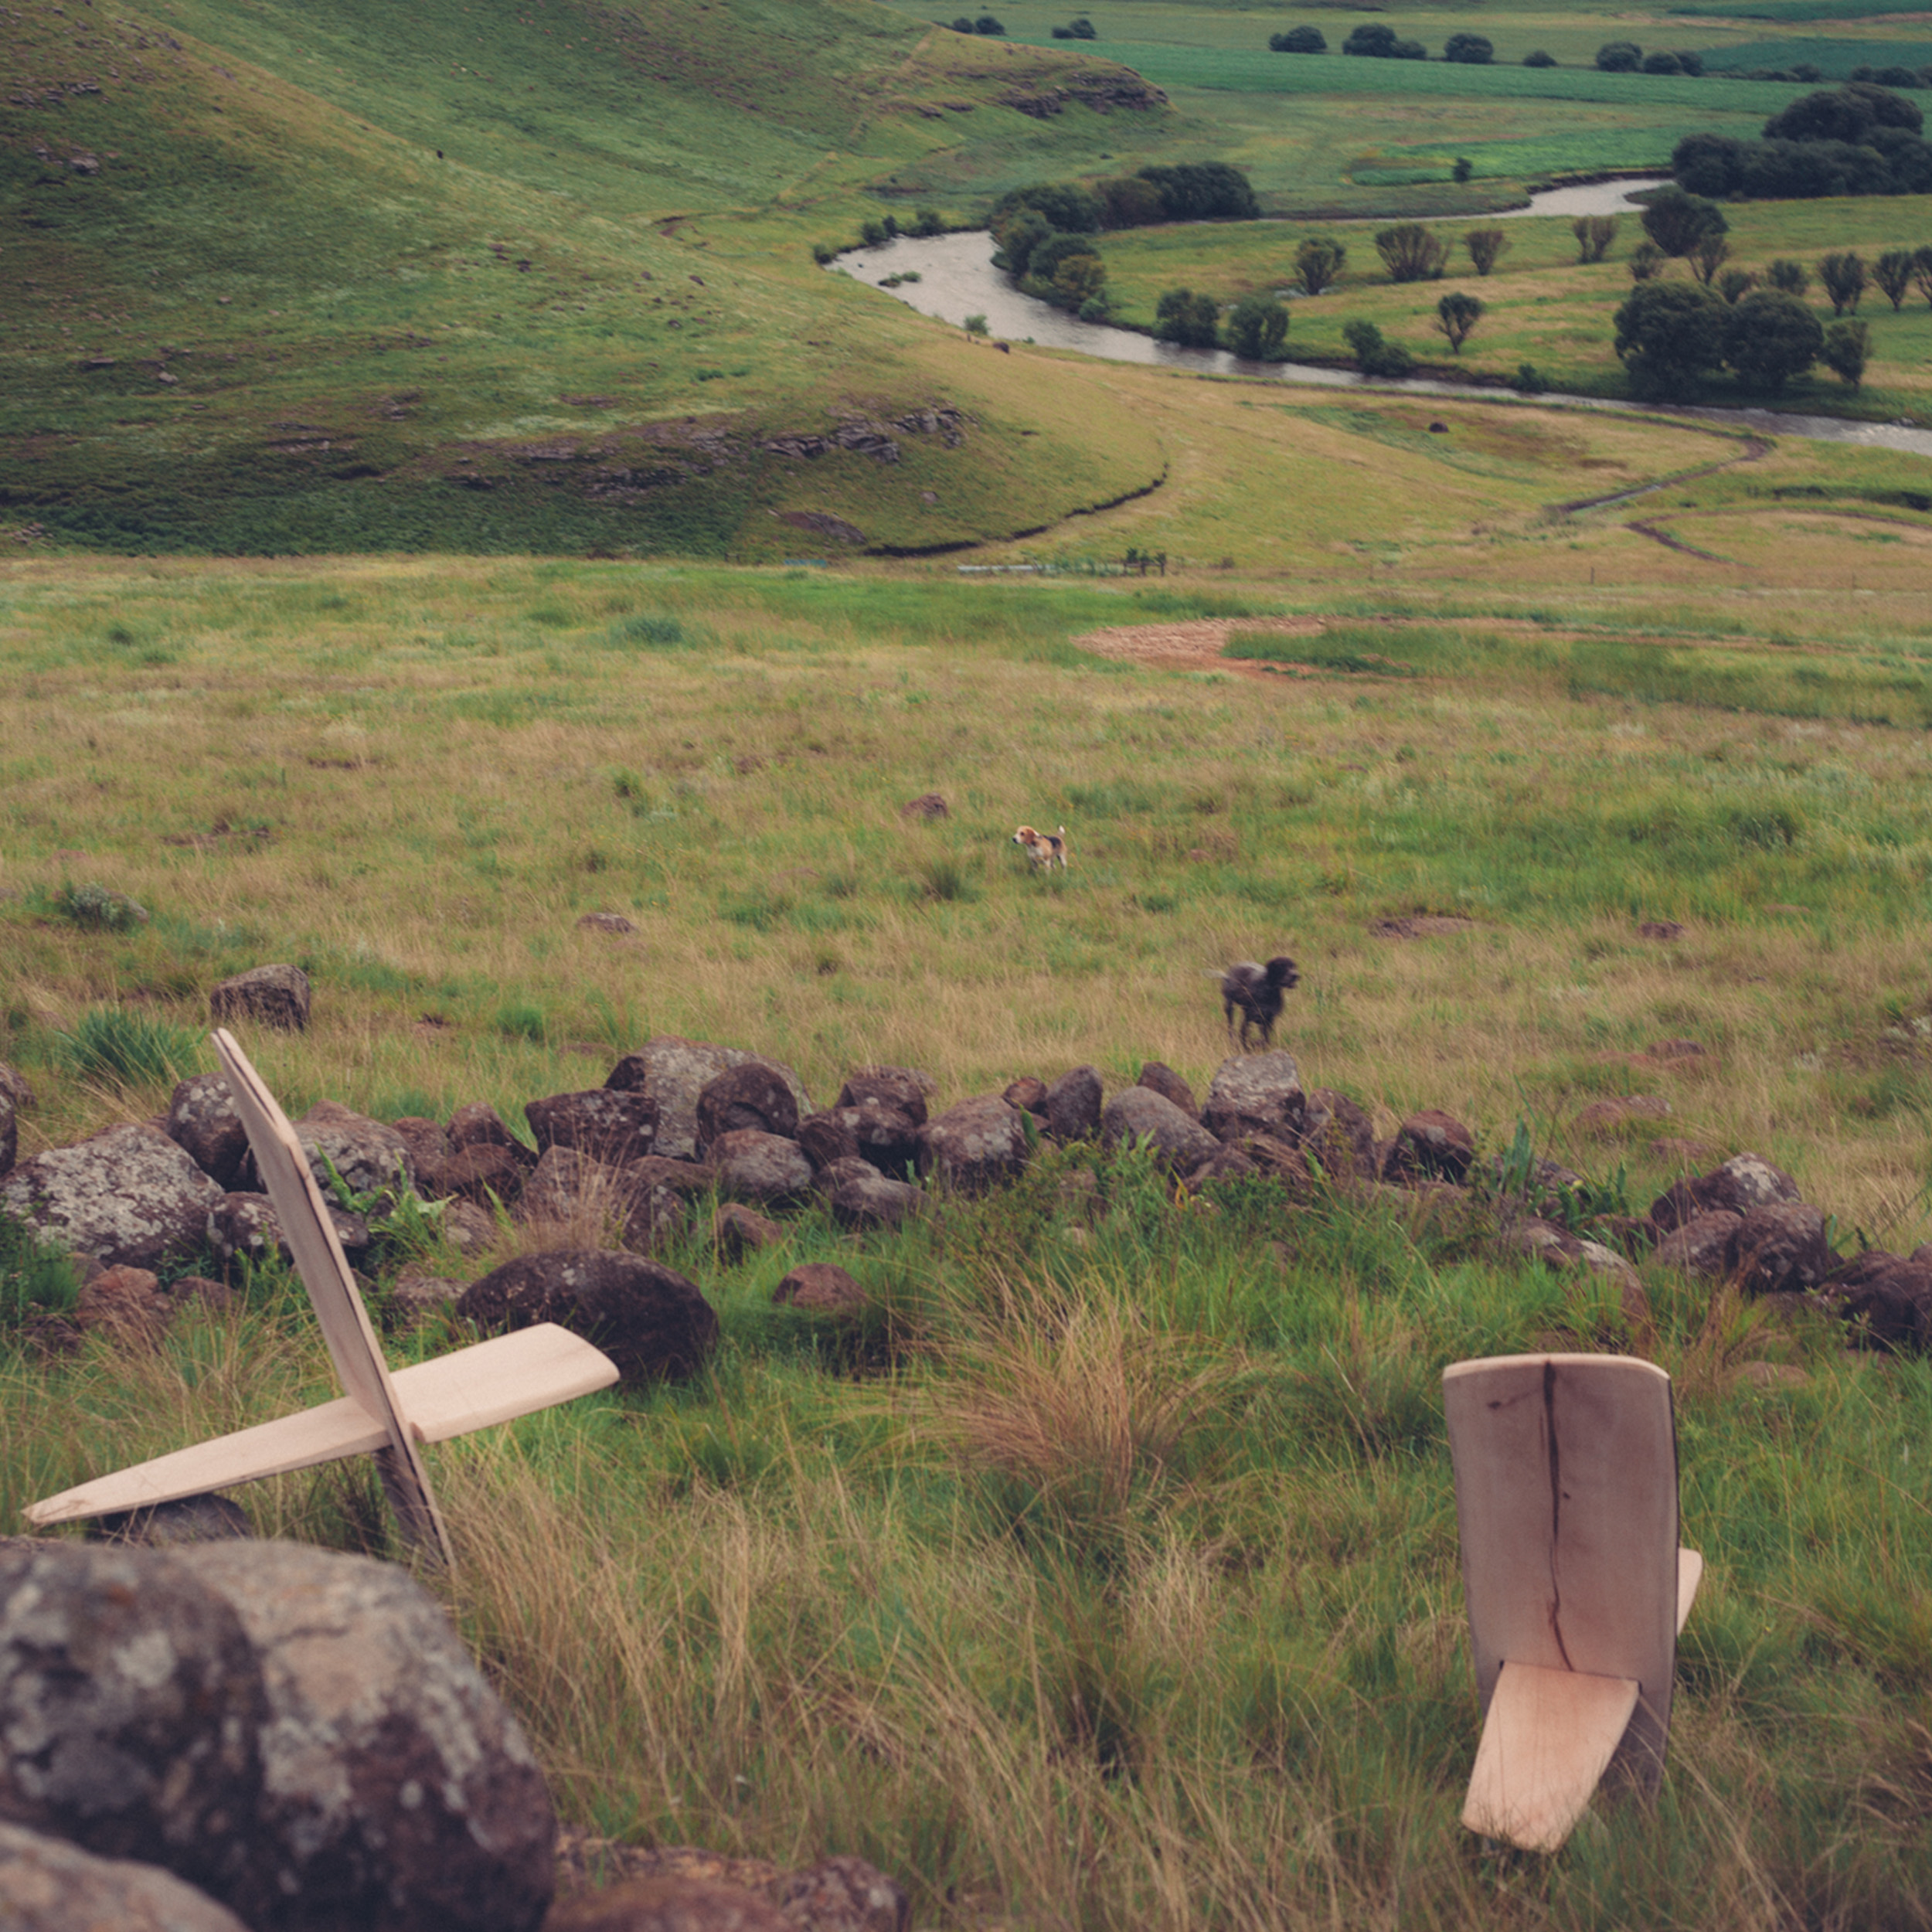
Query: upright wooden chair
1566	1501
381	1414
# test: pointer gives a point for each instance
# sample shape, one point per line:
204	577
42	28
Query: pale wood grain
1690	1573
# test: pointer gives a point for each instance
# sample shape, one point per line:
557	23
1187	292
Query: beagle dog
1043	847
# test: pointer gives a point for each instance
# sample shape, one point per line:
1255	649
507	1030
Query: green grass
1835	58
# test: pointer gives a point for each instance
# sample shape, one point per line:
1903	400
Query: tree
1257	327
1707	163
1486	246
1594	234
1707	255
1068	206
1079	280
1647	261
1922	271
987	24
1669	334
1735	284
1792	276
1319	262
1846	113
1374	355
1457	315
1771	337
1372	41
1538	58
928	221
1676	221
1204	190
1893	272
1016	235
1127	202
1471	50
1299	40
1411	253
1660	63
1408	50
1464	168
1847	347
975	326
1182	316
1843	275
1620	57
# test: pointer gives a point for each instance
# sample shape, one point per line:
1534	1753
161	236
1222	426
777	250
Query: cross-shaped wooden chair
381	1414
1565	1474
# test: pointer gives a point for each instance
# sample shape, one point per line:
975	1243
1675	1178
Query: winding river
956	278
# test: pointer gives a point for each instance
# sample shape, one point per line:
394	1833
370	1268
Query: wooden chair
1566	1501
381	1414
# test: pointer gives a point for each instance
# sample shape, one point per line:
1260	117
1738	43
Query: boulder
674	1071
1180	1142
1073	1105
1028	1093
978	1144
1558	1249
371	1157
1886	1301
610	1125
1339	1134
871	1200
127	1196
245	1227
1744	1182
203	1123
1706	1246
1256	1093
128	1303
430	1151
820	1287
671	1903
417	1294
658	1194
468	1228
650	1321
481	1171
827	1137
13	1085
271	995
903	1087
398	1792
1780	1249
49	1886
737	1232
766	1168
886	1135
478	1124
753	1095
567	1182
132	1710
1428	1146
1227	1162
163	1526
1165	1081
1276	1160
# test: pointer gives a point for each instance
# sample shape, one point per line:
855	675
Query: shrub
1299	40
1257	327
1619	56
109	1043
1594	234
1647	261
1848	114
1464	168
1842	272
1068	206
1126	201
928	221
1669	334
1182	316
872	234
95	909
1676	221
1771	337
1660	63
1457	315
1486	246
1846	347
1529	380
1538	58
823	253
1692	64
1735	284
1374	355
1016	235
1707	255
1408	50
1079	281
1893	272
1793	277
987	24
1373	40
1204	190
975	326
1411	253
1095	308
1711	165
1922	271
1081	29
1319	262
1469	49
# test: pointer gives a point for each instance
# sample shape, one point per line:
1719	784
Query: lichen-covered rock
272	996
370	1157
132	1713
1256	1093
903	1087
1430	1146
245	1227
610	1125
48	1885
649	1319
1339	1134
1781	1248
127	1196
674	1071
399	1793
886	1135
820	1287
874	1200
203	1123
668	1904
1744	1182
766	1168
1180	1142
1165	1081
827	1137
1706	1246
566	1184
1886	1301
430	1151
754	1095
974	1146
1073	1106
1028	1093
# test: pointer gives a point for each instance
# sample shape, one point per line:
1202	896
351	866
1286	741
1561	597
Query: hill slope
332	277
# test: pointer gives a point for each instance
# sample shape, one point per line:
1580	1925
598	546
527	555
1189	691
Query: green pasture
1835	58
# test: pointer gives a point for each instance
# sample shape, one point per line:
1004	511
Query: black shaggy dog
1256	992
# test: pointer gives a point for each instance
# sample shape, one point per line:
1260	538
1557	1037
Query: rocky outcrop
270	995
1256	1093
674	1071
1138	1114
976	1146
129	1195
649	1319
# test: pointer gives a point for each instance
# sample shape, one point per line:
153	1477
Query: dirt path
1196	645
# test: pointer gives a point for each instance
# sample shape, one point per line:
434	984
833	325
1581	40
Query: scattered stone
164	1525
1704	1246
877	1202
977	1145
371	1158
202	1121
614	924
827	1139
667	1905
127	1303
1079	1192
764	1168
468	1228
1781	1248
49	1886
245	1227
1181	1143
674	1071
1768	1375
820	1287
1169	1085
273	996
1340	1135
1886	1302
1428	1146
1605	1116
417	1294
430	1152
738	1232
1660	929
1028	1093
477	1173
1072	1105
567	1183
843	1894
885	1134
127	1196
752	1095
928	804
1421	926
1256	1093
904	1087
611	1126
1744	1182
650	1321
1228	1162
1275	1159
479	1125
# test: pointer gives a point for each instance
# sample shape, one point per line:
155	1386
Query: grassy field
1108	1576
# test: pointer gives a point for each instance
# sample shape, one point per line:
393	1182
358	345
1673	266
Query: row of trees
1377	41
1670	335
1859	139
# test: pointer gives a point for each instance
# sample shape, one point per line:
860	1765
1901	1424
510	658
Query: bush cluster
1625	56
1081	28
985	23
1859	139
1671	335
